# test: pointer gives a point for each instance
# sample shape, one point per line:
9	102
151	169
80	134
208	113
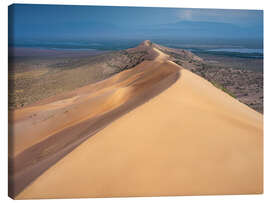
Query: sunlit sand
188	139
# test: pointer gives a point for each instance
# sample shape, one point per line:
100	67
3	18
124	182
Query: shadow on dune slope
43	133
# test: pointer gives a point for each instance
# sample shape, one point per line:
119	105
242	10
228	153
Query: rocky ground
34	78
243	84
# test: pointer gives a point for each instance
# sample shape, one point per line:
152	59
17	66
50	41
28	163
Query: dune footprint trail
41	134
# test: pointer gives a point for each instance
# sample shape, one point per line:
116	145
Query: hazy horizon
52	24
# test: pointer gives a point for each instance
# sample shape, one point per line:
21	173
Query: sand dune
191	139
43	133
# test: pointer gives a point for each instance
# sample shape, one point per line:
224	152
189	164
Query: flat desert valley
153	128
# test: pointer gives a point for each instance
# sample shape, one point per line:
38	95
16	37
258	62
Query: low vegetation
242	84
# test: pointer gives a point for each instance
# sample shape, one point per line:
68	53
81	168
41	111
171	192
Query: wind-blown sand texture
189	139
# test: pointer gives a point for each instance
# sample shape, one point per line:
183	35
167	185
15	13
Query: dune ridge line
43	133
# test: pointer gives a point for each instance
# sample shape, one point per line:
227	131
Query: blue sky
28	22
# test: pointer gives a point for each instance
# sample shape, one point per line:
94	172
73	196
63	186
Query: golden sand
191	139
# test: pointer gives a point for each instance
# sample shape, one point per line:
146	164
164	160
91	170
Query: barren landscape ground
171	131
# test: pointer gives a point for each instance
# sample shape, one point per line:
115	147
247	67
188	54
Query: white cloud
219	15
185	14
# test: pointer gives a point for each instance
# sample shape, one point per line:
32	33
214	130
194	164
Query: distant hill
105	31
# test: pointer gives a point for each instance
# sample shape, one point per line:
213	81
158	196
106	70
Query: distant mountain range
100	30
207	29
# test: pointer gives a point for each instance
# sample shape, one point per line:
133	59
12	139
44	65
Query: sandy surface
43	133
191	139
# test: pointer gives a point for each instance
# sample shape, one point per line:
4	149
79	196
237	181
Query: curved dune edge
44	133
193	139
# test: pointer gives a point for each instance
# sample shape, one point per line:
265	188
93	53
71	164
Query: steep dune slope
191	139
43	133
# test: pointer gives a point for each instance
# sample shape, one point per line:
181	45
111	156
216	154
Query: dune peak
147	43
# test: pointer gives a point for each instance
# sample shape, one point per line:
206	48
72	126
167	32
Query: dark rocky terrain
34	78
243	84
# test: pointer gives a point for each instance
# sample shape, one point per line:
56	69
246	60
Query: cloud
220	15
185	14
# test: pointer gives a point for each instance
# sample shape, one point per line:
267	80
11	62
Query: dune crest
191	139
41	134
